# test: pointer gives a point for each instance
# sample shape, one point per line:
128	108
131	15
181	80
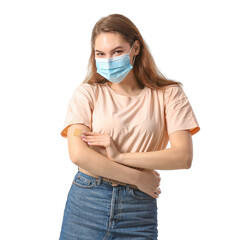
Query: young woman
118	124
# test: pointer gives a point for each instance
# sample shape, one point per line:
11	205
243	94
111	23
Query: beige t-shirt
140	123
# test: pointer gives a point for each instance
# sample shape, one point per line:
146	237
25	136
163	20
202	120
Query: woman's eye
99	54
117	52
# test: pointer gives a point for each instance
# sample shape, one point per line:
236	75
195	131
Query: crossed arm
96	163
179	156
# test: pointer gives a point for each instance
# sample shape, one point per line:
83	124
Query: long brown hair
145	69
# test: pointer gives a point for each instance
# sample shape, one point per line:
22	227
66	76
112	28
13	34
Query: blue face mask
114	69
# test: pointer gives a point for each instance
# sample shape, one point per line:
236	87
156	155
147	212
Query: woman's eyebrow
96	50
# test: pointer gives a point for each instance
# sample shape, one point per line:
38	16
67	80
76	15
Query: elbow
188	161
75	158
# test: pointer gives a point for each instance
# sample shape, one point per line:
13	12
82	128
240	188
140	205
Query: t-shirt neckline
119	95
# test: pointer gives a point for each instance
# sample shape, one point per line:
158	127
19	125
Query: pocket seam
88	181
83	186
139	197
84	179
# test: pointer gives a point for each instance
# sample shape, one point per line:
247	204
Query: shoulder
90	89
173	94
87	87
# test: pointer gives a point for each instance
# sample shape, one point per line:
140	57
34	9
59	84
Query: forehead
106	41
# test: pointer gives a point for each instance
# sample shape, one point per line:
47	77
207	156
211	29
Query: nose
108	55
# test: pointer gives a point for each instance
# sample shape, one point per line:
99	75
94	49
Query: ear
136	48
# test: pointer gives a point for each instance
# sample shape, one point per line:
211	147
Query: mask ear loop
131	48
133	56
133	60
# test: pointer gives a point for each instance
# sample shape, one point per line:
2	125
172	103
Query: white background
44	49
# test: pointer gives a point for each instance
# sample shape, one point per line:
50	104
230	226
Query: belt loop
99	180
127	186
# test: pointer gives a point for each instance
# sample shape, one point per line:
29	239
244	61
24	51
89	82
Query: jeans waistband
111	181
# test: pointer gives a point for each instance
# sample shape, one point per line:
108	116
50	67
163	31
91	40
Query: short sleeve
179	114
79	109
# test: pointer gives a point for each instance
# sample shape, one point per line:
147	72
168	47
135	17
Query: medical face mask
114	69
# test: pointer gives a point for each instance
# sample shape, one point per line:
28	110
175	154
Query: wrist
120	158
136	177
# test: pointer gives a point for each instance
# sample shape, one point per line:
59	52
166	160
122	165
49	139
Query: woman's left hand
105	140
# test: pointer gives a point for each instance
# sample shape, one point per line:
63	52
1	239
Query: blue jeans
96	210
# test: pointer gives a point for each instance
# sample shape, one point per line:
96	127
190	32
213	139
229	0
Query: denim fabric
99	211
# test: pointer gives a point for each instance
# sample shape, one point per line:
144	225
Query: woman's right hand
149	181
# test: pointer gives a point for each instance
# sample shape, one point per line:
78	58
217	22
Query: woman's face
108	45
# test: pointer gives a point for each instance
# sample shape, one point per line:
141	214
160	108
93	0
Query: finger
155	195
98	138
158	175
91	133
88	139
157	192
93	141
88	135
96	143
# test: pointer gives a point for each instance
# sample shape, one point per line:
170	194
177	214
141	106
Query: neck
129	84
